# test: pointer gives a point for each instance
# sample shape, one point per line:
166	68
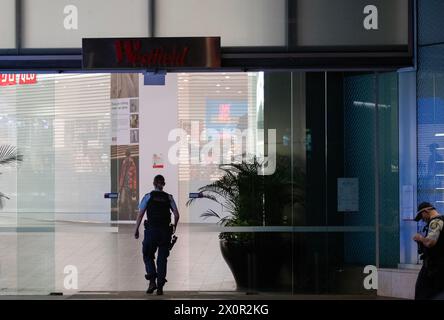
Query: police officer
430	280
158	231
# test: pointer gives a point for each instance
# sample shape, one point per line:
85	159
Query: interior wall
157	116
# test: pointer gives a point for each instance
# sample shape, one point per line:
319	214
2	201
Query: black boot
152	286
160	285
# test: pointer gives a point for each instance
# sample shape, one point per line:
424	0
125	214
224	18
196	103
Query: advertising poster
125	146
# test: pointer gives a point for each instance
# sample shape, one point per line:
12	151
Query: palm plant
253	199
8	156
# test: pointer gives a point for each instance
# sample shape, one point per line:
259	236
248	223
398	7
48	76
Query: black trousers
430	282
156	239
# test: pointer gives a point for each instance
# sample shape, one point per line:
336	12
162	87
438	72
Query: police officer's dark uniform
157	236
430	280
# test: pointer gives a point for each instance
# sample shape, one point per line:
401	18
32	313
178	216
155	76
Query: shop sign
151	53
13	79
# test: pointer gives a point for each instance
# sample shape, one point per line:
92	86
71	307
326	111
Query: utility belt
161	227
433	263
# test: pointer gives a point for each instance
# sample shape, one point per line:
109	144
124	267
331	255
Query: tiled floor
107	259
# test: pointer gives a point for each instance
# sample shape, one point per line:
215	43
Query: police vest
158	209
436	253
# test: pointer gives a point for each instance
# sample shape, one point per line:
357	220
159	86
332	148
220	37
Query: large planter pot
260	264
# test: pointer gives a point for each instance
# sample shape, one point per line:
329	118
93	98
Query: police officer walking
430	282
158	231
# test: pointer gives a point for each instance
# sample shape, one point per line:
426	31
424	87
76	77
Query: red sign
13	79
151	53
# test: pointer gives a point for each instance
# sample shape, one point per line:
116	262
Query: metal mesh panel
431	126
359	146
430	22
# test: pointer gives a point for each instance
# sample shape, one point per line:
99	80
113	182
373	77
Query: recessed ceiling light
227	88
218	85
227	77
239	92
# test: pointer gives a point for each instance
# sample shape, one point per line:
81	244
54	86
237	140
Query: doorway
327	208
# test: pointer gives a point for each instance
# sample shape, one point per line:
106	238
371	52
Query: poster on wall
120	114
125	146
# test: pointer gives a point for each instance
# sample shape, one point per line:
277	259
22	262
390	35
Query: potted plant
258	260
8	156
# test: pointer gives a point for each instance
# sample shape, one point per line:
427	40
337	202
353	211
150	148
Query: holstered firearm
173	241
173	238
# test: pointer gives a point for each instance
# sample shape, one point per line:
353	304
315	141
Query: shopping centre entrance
278	138
300	216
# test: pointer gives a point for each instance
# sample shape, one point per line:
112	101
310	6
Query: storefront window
321	208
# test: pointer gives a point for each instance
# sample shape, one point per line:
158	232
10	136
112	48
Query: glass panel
7	24
242	121
61	125
35	114
63	24
388	146
238	23
330	141
278	199
350	176
218	112
8	185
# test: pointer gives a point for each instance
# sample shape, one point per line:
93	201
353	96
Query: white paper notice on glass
348	194
407	207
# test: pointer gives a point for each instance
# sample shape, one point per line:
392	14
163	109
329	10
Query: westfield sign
151	53
131	52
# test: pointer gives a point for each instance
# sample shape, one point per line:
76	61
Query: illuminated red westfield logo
131	52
